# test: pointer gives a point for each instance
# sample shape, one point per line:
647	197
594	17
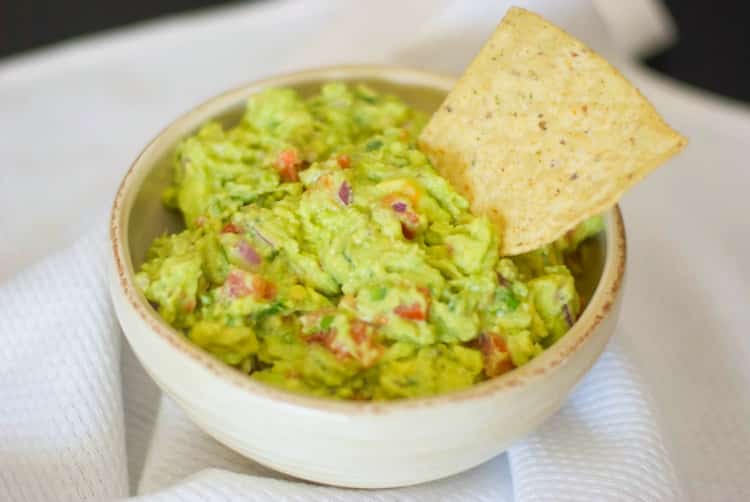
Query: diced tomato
287	164
412	312
409	233
270	291
289	173
321	337
327	338
425	292
263	289
344	161
495	354
366	349
231	228
237	286
288	157
359	331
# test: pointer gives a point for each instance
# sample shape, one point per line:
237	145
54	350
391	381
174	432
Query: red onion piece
262	237
345	193
399	207
248	254
235	285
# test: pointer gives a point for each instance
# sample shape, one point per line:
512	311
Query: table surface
692	57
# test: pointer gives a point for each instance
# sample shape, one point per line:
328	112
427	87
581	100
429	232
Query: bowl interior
149	218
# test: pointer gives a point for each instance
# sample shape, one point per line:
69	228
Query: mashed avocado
323	254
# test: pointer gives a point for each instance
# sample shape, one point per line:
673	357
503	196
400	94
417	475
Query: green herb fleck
274	309
378	294
373	145
326	322
508	300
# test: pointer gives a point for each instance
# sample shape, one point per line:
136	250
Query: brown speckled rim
558	355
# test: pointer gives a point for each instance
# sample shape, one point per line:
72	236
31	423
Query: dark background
713	50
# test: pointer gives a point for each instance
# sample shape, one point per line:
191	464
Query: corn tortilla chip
541	133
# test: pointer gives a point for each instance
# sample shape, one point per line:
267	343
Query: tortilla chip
540	133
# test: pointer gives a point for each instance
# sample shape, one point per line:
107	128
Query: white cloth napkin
64	437
80	420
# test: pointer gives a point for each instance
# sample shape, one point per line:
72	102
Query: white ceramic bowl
355	444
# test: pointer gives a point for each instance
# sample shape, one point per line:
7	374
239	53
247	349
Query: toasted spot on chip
545	100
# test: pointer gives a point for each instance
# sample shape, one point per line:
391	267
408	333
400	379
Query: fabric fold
62	377
62	433
603	445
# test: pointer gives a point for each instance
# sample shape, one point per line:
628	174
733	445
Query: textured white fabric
603	445
80	420
63	419
61	430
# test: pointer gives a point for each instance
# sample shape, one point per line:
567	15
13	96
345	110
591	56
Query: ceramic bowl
354	444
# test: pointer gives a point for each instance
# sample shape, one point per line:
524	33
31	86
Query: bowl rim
599	306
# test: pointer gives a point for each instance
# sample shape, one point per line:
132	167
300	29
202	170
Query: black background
713	51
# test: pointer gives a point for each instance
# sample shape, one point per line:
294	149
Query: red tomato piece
230	228
495	354
344	161
287	164
412	312
409	234
263	289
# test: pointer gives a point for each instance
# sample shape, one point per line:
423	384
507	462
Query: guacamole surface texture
324	255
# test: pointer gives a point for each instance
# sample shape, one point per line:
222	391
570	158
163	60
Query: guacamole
324	255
